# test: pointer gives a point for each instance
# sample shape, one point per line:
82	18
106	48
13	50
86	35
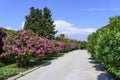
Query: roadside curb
27	72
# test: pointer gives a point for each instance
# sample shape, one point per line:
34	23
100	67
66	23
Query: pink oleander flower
29	45
38	51
32	51
22	32
42	40
3	40
19	52
8	46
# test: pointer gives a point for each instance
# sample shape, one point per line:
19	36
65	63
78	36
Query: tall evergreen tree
40	22
33	20
48	23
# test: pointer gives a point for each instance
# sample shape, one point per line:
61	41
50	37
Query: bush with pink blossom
2	34
25	45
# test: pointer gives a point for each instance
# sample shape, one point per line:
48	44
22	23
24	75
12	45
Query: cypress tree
40	22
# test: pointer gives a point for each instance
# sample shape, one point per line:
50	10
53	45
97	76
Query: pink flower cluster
25	45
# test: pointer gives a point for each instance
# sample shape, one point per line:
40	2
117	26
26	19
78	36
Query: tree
48	23
61	37
40	22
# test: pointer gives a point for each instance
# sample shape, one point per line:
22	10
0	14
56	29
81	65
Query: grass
9	70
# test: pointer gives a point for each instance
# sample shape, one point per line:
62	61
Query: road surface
75	65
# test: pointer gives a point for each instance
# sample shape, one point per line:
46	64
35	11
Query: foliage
40	22
2	34
7	31
61	37
83	44
10	31
24	45
104	45
17	47
10	70
48	24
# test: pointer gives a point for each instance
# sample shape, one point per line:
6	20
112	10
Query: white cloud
64	27
8	28
69	30
23	24
11	28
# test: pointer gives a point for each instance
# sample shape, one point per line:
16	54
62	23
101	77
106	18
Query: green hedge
83	44
104	45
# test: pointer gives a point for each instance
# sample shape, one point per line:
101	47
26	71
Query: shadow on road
96	66
104	76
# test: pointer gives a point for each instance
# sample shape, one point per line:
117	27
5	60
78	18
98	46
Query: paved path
76	65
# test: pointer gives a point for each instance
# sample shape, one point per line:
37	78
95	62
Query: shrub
83	44
2	34
104	45
24	45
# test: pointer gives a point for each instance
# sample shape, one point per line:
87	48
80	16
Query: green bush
83	44
2	35
10	31
104	45
7	31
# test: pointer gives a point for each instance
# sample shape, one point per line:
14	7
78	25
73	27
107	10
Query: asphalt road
75	65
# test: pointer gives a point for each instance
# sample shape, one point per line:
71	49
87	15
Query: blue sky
75	18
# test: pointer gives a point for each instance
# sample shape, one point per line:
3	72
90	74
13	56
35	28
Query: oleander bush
25	45
104	46
2	34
